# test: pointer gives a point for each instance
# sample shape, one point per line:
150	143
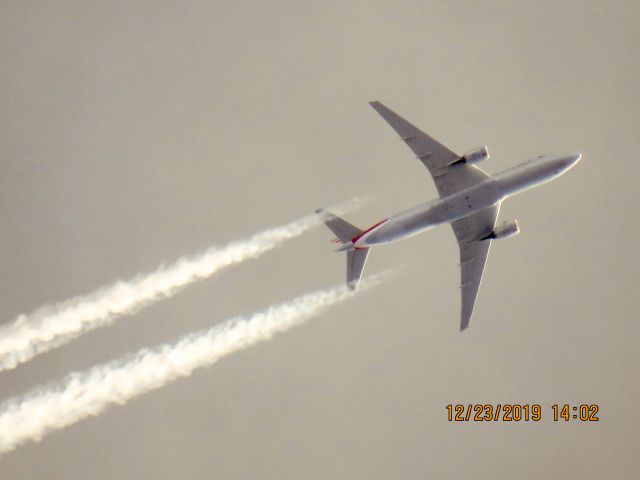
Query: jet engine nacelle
504	230
476	155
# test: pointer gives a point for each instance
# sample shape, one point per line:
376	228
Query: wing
450	179
436	157
473	255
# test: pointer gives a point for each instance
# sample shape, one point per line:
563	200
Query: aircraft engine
476	155
504	230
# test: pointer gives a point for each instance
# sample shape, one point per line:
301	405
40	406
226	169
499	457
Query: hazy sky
133	134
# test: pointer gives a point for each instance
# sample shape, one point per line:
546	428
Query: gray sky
131	135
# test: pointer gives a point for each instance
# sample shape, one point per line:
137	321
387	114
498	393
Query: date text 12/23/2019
515	412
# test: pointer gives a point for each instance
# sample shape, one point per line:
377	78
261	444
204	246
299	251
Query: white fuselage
490	192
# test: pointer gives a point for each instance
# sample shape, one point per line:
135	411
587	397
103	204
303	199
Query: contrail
52	326
80	395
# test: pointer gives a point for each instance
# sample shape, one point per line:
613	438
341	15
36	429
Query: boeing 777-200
469	200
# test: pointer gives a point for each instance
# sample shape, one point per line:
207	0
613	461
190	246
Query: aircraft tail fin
356	256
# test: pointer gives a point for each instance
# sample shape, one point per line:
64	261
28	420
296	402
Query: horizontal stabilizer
355	265
340	228
356	256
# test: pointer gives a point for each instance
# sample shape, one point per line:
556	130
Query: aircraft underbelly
419	219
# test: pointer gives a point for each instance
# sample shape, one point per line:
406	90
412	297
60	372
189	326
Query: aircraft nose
568	161
574	158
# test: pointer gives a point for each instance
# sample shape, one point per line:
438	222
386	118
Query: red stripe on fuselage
358	237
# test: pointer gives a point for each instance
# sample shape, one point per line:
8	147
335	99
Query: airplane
469	200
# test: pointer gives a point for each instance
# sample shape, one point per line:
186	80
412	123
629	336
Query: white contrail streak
52	326
81	395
